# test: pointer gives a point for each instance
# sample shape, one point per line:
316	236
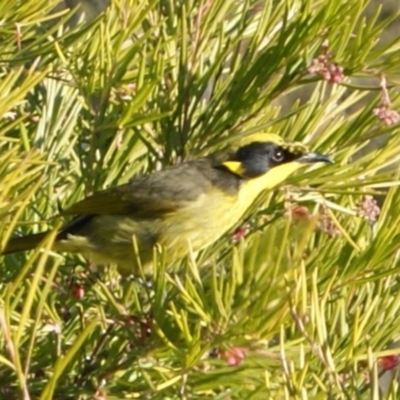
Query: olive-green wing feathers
152	195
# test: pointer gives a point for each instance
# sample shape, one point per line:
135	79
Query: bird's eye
278	155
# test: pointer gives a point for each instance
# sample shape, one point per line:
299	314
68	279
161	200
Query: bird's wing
152	195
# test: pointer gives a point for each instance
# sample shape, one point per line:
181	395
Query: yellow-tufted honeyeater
194	202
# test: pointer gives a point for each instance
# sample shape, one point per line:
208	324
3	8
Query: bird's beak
314	157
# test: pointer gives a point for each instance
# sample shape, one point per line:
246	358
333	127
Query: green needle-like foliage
302	302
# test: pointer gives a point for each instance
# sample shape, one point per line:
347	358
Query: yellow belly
109	238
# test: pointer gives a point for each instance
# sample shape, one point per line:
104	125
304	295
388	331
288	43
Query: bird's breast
194	225
204	221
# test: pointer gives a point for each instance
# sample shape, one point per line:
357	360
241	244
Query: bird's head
268	159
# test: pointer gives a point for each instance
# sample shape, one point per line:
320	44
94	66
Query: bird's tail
25	243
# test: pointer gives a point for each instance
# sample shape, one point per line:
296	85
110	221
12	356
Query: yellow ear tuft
235	167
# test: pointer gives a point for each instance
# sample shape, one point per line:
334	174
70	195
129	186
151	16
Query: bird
182	207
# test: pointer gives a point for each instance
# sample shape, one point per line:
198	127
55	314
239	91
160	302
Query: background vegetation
303	300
